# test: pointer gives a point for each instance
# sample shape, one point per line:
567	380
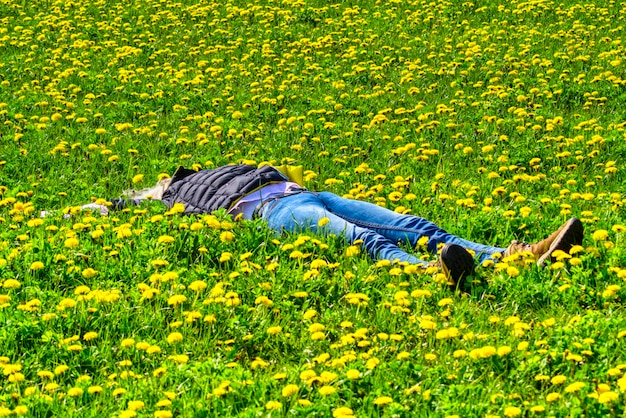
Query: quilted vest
206	191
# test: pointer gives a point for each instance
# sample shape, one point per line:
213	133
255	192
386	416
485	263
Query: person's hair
155	192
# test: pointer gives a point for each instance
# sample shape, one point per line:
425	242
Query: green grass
497	121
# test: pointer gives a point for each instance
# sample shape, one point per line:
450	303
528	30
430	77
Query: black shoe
457	264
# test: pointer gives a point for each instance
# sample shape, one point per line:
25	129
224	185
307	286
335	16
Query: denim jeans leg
303	211
400	228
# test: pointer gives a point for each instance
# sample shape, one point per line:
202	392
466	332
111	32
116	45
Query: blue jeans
380	229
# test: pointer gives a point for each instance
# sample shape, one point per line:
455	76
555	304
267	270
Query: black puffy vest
206	191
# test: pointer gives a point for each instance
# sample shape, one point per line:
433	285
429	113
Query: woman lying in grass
274	195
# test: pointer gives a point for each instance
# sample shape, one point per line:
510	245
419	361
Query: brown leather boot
564	238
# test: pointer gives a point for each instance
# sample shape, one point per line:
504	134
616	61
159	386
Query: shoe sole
572	234
457	264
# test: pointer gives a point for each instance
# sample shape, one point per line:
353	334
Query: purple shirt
248	203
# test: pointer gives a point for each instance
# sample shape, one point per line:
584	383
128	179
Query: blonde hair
154	193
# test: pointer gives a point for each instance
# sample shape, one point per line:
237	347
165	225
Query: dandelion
158	372
600	235
179	358
135	405
383	400
20	410
317	336
327	390
512	411
352	250
176	300
37	265
342	411
274	330
11	284
174	337
94	389
553	397
574	387
226	236
89	273
290	390
323	221
90	336
165	239
504	350
197	285
74	392
607	397
272	405
71	242
127	342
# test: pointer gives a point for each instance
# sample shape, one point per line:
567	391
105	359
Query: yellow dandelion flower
90	336
135	405
512	411
343	411
11	284
274	330
94	389
317	336
272	405
327	390
71	242
176	300
600	235
174	337
88	273
323	221
74	392
37	265
574	387
127	342
553	397
197	285
383	400
352	250
226	236
179	358
608	396
158	372
165	239
290	390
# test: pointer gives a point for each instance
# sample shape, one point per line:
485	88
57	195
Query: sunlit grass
496	120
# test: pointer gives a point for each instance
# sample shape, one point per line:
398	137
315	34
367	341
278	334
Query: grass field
498	120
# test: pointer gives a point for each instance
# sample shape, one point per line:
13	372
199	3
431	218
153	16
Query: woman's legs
379	228
303	211
400	228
